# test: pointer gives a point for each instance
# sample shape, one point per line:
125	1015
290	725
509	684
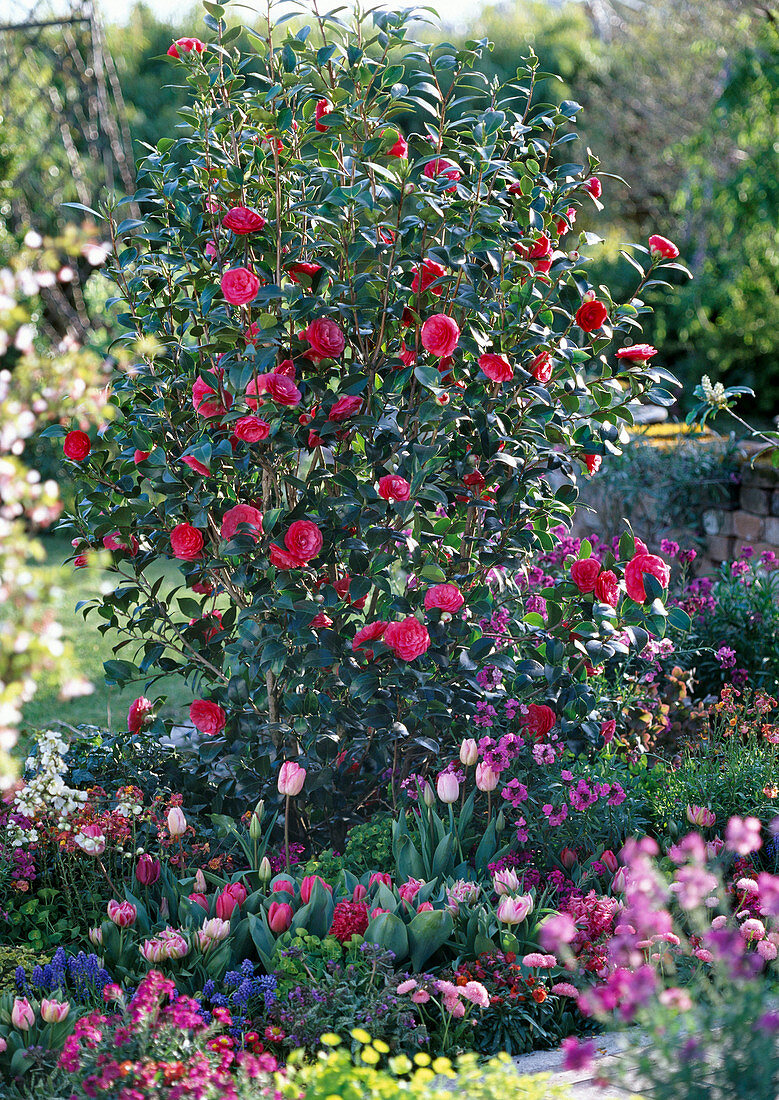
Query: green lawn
87	649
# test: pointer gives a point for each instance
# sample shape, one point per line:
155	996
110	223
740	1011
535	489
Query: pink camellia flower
279	916
251	429
742	835
445	597
593	186
291	779
77	446
122	913
637	353
196	465
428	273
448	788
469	752
241	514
202	392
541	367
279	388
212	252
54	1012
303	269
344	408
243	220
555	931
22	1014
115	542
371	632
661	248
232	897
486	777
440	335
147	869
176	822
637	568
607	588
139	714
562	225
186	542
90	839
591	315
408	639
538	721
212	932
240	285
514	908
308	884
394	487
323	108
321	621
303	540
505	882
700	815
282	559
184	46
496	367
434	169
584	574
206	716
326	338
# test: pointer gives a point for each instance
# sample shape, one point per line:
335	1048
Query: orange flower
539	995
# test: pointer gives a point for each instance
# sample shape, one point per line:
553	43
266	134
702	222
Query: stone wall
753	519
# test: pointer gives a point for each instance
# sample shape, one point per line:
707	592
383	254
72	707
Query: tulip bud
3	1045
469	752
620	881
54	1012
265	871
610	860
96	936
291	779
200	882
500	822
307	887
448	788
233	896
259	809
147	870
428	794
177	823
568	858
359	893
255	827
164	909
22	1015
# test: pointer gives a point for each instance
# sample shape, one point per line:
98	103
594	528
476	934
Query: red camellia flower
186	542
591	315
408	639
538	721
445	597
282	559
371	632
140	456
562	225
593	463
251	429
661	248
350	918
286	367
241	513
427	274
442	167
607	588
139	714
115	542
77	446
243	220
281	389
637	353
326	338
207	717
344	408
310	271
584	574
240	285
322	108
196	465
440	335
496	367
399	149
408	355
185	46
539	249
594	186
303	540
394	487
541	367
203	392
636	569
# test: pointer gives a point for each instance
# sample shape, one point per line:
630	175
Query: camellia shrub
370	369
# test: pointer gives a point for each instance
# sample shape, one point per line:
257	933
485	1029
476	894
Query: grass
86	649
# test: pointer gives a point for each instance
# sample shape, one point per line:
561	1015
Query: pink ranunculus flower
444	597
240	286
207	716
394	487
408	639
637	568
241	514
440	335
122	913
496	367
291	779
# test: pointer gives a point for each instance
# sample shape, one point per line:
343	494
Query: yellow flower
360	1035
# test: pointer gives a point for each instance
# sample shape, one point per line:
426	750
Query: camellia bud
265	871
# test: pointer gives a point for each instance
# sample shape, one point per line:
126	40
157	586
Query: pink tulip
425	907
122	913
177	823
200	882
54	1012
233	896
212	933
147	870
469	752
22	1015
505	882
699	815
448	787
380	876
486	777
307	886
199	899
283	885
514	909
279	916
610	860
568	858
359	893
291	778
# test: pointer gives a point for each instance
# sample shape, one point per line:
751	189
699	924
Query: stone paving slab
582	1083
